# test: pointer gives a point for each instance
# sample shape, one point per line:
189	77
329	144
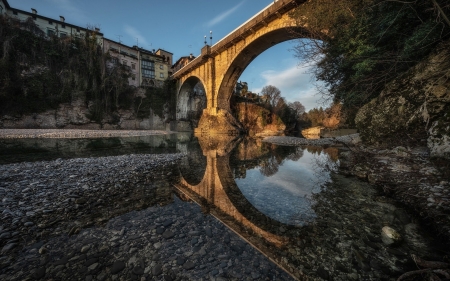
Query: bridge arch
191	98
253	49
220	66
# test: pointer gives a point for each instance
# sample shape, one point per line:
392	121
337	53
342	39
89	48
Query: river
231	209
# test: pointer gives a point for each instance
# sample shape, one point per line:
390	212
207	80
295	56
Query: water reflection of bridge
208	180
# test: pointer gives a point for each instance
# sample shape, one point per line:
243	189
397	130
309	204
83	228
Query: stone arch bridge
219	66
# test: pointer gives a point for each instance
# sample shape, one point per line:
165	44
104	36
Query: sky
179	26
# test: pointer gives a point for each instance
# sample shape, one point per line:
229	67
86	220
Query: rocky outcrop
414	106
74	115
258	121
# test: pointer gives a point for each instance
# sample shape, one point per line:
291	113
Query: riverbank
407	174
102	218
74	133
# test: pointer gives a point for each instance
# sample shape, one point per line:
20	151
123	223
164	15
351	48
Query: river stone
39	273
390	236
189	265
117	267
157	270
168	234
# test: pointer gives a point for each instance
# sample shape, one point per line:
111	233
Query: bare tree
271	95
297	107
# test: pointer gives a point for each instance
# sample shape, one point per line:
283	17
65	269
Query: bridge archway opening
191	100
249	54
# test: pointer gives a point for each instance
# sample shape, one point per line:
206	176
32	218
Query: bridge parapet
260	20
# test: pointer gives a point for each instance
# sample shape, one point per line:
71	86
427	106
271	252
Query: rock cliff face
258	121
74	116
415	106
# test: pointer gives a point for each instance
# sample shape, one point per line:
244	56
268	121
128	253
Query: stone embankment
408	174
101	219
74	133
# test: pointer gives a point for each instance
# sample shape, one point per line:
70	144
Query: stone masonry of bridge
219	66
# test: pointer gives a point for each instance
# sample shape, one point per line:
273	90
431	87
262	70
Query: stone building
181	62
154	67
127	56
49	27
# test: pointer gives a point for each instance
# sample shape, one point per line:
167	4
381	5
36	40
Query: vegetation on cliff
360	46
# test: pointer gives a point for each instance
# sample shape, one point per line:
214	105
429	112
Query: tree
271	95
298	108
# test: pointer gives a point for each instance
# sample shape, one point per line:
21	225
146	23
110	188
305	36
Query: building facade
50	27
154	67
126	56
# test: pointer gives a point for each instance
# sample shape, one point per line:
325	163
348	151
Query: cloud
135	34
72	13
224	15
295	84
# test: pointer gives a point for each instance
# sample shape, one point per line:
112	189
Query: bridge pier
216	121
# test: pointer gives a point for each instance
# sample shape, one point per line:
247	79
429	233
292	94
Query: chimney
97	29
153	50
61	18
34	11
190	55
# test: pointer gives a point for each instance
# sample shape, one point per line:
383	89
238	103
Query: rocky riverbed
75	133
102	219
408	174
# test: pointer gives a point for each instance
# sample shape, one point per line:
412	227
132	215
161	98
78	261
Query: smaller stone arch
191	100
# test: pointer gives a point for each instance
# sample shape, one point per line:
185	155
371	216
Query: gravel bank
73	133
114	218
294	141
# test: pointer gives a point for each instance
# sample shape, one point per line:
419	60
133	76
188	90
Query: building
154	67
49	27
127	56
181	62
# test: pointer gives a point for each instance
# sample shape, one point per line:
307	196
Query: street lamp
205	40
210	37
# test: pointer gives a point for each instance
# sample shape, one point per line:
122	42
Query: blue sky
179	26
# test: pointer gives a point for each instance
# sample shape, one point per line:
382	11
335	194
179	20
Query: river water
233	209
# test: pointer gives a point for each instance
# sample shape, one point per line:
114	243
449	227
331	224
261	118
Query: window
148	65
133	77
161	66
15	13
50	32
63	26
1	10
114	60
78	30
147	73
50	22
62	34
161	75
34	17
133	66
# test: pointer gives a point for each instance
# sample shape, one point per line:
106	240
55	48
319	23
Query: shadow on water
291	204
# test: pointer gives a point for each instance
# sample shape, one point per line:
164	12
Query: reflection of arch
193	165
218	191
191	99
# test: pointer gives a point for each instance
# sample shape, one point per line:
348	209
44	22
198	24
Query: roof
6	4
185	57
46	18
115	42
164	51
